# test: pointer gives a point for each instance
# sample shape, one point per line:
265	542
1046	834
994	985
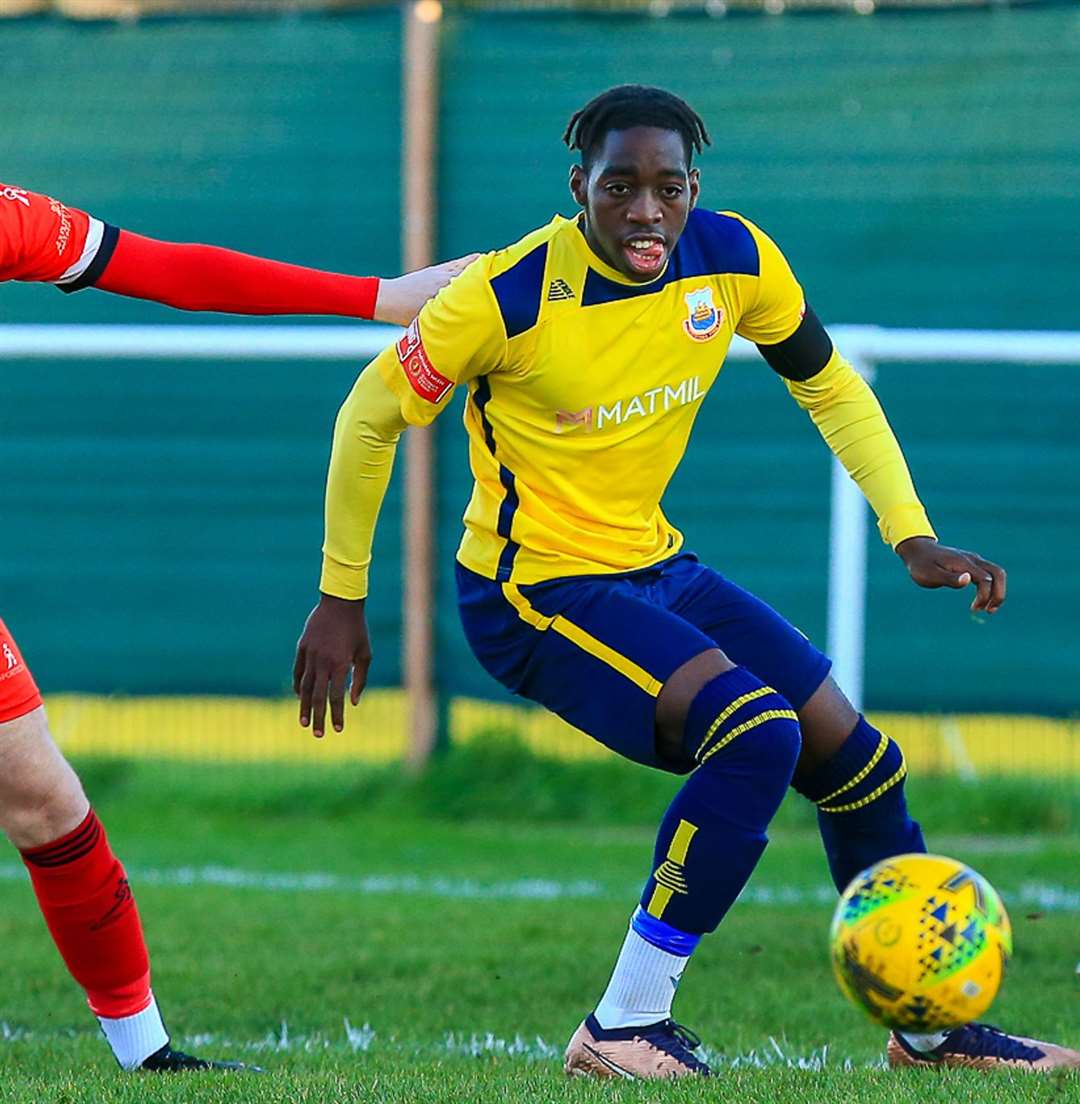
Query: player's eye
617	188
672	191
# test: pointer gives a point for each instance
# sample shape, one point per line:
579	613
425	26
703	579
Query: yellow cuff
905	521
343	580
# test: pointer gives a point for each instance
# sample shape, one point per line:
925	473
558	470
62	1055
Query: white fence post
847	573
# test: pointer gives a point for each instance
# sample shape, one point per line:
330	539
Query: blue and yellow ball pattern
920	943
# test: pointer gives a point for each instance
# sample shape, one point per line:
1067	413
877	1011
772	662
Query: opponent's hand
401	297
333	643
935	565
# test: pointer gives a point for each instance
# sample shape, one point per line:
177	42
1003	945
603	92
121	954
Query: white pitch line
453	1044
1047	897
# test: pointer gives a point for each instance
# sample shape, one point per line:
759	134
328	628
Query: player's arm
42	240
849	417
457	336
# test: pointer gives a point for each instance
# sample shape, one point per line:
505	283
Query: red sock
89	908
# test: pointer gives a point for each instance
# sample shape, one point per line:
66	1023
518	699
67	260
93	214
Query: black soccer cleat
168	1060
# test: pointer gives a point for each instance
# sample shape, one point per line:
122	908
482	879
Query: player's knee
41	797
870	789
737	716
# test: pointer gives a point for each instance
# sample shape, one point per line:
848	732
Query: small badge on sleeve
422	375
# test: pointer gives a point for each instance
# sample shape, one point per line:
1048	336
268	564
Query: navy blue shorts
597	649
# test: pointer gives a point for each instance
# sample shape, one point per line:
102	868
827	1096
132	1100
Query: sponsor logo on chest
648	404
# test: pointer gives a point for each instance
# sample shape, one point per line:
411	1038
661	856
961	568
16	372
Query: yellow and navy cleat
981	1046
659	1051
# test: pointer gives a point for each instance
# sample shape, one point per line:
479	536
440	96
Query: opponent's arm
850	419
41	240
209	278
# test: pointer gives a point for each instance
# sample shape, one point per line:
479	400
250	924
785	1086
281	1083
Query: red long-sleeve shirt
43	240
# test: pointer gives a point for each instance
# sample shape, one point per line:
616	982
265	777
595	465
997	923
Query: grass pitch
385	957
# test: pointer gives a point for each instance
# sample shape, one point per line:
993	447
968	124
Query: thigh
749	631
594	651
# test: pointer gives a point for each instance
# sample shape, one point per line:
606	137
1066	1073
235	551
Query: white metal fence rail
865	346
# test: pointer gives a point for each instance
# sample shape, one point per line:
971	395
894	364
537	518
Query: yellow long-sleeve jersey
583	390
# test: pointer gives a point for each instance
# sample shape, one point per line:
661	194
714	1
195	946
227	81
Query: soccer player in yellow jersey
587	348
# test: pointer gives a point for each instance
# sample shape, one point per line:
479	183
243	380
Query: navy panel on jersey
518	289
481	396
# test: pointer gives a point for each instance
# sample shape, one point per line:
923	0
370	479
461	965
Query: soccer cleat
982	1046
168	1060
660	1050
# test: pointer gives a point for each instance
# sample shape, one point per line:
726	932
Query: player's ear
694	177
579	185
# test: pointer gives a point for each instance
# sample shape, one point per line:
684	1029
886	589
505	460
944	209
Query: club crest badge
703	317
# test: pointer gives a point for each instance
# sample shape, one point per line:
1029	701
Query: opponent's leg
80	886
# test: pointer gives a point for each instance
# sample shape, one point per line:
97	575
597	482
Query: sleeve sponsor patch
422	375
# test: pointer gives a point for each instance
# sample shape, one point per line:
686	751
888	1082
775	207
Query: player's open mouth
645	254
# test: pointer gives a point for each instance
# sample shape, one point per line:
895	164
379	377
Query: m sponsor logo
649	404
566	420
430	384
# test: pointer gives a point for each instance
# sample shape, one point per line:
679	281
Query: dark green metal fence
160	524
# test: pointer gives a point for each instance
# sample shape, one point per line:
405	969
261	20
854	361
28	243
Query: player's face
637	197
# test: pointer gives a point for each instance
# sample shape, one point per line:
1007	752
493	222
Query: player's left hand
936	565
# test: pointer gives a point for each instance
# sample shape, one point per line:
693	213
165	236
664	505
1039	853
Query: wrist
912	546
384	305
334	601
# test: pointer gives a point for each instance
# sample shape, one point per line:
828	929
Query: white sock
642	985
134	1038
925	1043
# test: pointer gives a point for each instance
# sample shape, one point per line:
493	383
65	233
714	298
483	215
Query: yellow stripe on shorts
584	640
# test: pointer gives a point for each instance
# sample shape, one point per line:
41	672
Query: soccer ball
920	943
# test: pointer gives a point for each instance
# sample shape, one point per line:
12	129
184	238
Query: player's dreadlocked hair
633	105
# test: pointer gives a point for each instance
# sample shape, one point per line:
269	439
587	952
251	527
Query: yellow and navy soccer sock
862	813
744	741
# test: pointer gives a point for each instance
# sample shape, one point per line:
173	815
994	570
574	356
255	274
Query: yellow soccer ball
920	943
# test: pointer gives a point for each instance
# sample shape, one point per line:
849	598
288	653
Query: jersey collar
577	233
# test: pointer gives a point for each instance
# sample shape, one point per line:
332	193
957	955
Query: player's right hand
401	297
333	644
